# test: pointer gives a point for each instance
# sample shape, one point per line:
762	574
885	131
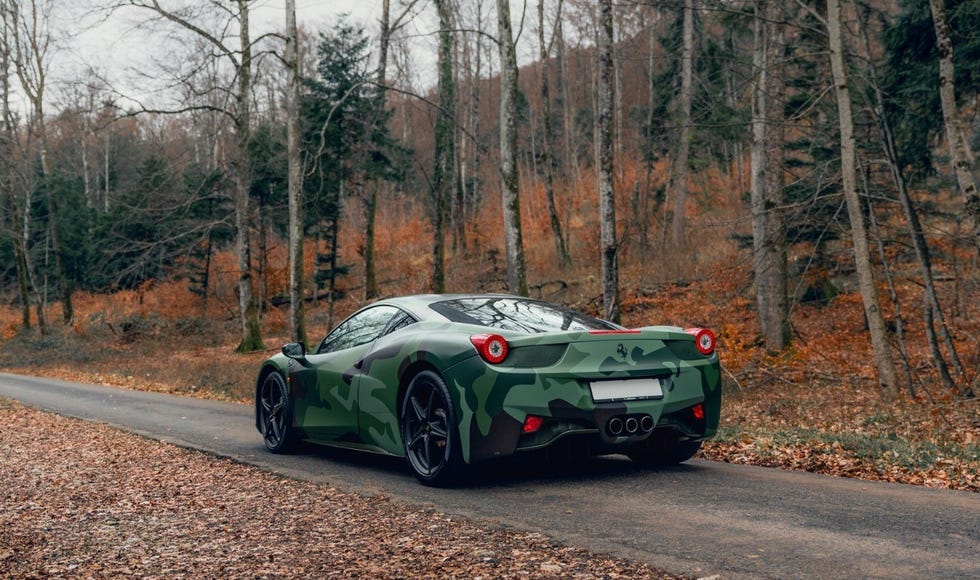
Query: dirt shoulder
85	500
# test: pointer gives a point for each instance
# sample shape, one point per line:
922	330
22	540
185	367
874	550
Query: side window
398	322
359	329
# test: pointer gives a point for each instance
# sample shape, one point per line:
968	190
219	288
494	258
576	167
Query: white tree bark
605	163
297	318
509	175
960	154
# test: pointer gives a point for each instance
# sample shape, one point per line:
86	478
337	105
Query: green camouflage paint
359	405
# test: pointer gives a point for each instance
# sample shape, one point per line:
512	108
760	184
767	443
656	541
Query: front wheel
275	414
663	449
430	432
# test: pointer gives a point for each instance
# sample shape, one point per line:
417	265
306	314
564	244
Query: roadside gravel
79	499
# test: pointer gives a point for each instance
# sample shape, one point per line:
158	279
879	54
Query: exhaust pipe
632	425
615	426
646	424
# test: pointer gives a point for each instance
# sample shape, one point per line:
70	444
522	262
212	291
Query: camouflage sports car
448	381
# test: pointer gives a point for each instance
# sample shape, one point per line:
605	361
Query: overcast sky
120	48
117	47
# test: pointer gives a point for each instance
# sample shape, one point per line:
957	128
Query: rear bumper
492	411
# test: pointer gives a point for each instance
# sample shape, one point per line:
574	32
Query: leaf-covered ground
82	500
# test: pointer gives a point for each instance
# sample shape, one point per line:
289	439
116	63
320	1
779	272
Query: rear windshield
506	313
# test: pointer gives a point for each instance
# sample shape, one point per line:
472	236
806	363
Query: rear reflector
532	424
698	411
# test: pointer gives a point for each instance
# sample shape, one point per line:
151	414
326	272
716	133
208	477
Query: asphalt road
700	519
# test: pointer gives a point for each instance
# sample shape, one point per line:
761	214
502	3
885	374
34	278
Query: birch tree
509	176
960	154
887	376
604	155
297	317
31	42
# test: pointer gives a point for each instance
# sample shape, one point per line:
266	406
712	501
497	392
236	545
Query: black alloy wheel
429	431
275	414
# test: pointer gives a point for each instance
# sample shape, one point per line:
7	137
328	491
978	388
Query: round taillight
492	347
704	339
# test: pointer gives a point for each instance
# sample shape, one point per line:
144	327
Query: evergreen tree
911	77
346	142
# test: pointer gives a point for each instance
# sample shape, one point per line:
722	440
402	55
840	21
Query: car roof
418	304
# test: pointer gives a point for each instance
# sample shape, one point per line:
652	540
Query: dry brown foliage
82	500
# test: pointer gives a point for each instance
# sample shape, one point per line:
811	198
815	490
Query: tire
430	431
275	414
662	450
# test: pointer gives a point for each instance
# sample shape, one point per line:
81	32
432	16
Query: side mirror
294	350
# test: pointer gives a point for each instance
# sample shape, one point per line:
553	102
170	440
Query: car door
325	388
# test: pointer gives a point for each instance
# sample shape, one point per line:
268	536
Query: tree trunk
510	179
30	42
887	377
932	310
547	145
251	333
371	202
643	205
297	309
605	163
20	261
959	150
768	247
570	161
443	181
684	120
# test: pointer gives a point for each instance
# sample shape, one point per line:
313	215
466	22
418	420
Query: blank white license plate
626	389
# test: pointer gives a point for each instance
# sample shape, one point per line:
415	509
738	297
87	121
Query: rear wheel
429	431
275	414
663	449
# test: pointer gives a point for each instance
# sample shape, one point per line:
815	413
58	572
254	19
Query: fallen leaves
85	500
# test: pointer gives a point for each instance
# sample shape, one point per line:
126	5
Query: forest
799	176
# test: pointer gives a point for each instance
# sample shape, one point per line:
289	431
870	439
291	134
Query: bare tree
371	202
297	318
470	150
769	257
547	145
31	45
510	180
239	112
389	26
8	195
931	309
887	377
961	156
605	162
443	183
684	121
